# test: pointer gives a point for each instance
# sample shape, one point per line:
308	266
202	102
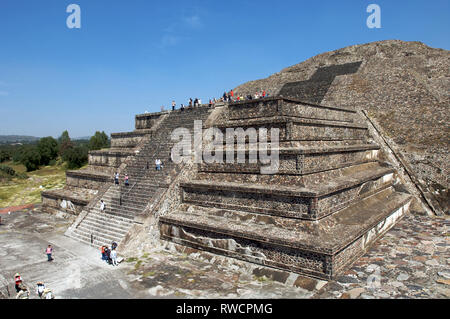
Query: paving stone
306	283
354	293
432	262
443	281
402	277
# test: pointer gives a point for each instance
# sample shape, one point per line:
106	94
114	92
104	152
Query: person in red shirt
18	282
264	93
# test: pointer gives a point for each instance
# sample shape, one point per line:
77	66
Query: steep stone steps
145	184
321	249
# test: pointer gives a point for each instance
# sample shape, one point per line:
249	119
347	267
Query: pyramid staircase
331	197
146	185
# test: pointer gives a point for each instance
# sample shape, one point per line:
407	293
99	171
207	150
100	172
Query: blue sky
133	56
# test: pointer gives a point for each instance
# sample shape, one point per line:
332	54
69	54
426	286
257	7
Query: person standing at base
116	178
103	250
40	289
114	257
49	252
17	281
126	180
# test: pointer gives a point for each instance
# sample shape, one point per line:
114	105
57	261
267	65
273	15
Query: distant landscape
10	139
30	165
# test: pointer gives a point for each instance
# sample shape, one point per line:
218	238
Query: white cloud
193	21
169	40
176	32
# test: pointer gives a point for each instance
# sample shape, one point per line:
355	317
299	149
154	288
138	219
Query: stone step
312	203
121	225
101	236
112	207
119	220
320	249
98	240
116	213
107	229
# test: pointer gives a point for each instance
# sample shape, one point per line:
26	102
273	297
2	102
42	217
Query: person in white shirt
40	288
113	256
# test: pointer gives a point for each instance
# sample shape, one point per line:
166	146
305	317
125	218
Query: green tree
76	156
31	158
98	141
64	144
64	137
48	149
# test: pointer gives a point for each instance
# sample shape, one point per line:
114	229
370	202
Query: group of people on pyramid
226	97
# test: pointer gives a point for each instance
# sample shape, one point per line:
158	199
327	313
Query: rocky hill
404	89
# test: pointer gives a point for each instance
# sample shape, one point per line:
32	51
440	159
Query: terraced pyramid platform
331	198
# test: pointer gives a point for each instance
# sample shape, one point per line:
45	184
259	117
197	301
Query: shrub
7	170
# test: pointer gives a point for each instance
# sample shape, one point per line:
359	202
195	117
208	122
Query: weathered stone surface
377	76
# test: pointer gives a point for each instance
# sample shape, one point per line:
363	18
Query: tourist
195	102
108	255
224	96
23	292
48	294
264	93
17	281
126	180
173	105
116	178
113	245
114	257
210	102
49	252
40	289
158	164
103	250
102	205
182	107
199	102
190	102
231	94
